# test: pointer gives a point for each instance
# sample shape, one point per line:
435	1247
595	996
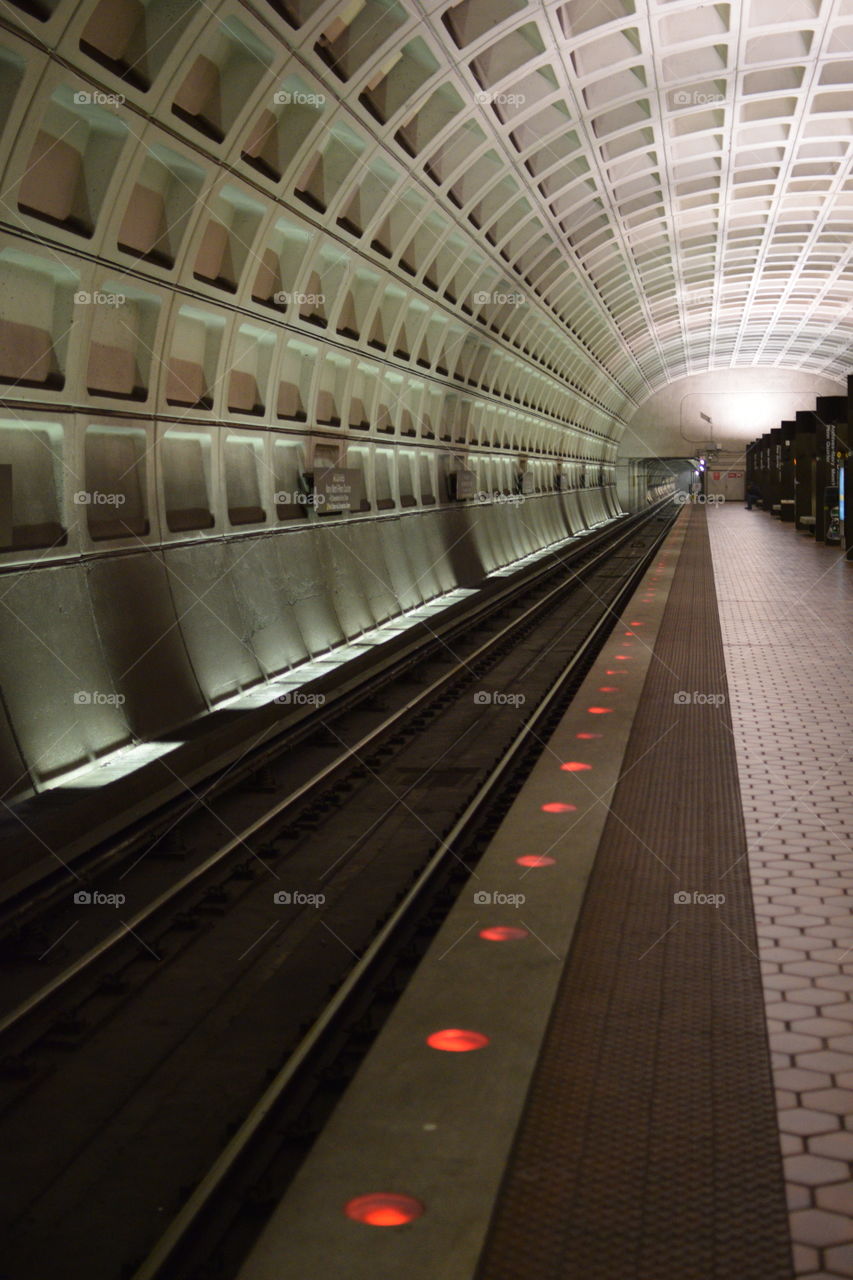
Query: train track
232	982
159	826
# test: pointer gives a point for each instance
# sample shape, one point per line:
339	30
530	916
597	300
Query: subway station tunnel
425	748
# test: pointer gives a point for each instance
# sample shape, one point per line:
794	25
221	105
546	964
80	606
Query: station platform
629	1050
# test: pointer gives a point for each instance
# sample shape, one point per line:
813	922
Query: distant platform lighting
456	1040
384	1209
503	933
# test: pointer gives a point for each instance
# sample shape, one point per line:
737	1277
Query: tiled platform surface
648	1148
786	610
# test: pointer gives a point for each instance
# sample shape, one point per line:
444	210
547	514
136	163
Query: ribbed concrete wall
225	266
103	649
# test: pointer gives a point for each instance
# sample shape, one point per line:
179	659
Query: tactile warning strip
648	1147
786	606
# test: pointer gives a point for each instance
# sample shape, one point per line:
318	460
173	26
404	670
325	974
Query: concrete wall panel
56	684
270	622
346	575
307	591
143	643
400	568
424	553
214	626
485	525
366	542
14	774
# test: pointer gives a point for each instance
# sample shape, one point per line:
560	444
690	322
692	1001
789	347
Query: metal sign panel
337	489
465	483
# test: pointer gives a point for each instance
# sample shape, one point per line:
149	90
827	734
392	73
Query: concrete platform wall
106	646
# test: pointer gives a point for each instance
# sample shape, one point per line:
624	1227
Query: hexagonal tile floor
785	610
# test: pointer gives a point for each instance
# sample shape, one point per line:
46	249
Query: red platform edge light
574	766
503	933
557	806
383	1209
585	737
608	688
600	711
535	860
456	1040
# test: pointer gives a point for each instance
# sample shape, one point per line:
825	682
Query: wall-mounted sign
337	489
463	484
